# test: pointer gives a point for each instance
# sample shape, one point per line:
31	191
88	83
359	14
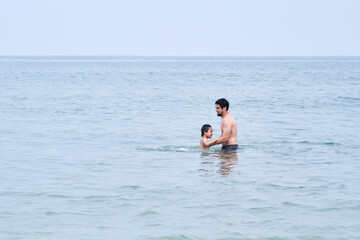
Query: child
206	132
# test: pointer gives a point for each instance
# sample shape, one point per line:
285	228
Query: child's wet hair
205	128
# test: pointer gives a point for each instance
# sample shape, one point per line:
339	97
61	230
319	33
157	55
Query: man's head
221	105
207	131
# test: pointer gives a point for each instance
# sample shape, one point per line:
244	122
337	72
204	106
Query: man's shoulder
229	117
230	120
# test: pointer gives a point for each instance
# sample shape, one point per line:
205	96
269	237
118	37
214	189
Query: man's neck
224	114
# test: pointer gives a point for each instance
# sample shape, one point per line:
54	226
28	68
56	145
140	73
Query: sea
107	147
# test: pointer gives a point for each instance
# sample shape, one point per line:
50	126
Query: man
228	137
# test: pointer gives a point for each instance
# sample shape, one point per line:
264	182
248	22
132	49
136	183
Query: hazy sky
180	27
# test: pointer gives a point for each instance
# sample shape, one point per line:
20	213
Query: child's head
206	130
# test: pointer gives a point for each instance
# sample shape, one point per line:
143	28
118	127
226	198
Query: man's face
209	133
219	110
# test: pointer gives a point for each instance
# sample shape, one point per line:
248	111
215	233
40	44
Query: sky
180	27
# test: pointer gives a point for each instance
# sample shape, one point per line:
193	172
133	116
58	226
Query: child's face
209	133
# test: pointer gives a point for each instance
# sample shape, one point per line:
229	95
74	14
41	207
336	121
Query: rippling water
107	148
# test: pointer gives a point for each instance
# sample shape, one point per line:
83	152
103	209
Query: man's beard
219	114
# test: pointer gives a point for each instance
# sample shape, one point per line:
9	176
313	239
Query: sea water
108	148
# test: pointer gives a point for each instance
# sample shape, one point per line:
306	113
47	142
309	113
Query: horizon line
90	55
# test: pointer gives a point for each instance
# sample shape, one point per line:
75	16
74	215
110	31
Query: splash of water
169	148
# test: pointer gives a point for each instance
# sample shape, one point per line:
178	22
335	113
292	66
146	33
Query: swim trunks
230	147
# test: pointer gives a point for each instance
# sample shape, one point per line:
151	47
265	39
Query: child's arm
210	143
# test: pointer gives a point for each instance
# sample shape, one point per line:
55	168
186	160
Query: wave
169	148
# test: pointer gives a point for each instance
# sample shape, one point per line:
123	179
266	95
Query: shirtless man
228	137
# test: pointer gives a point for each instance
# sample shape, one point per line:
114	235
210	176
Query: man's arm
225	133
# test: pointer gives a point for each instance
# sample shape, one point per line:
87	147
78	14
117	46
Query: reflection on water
210	162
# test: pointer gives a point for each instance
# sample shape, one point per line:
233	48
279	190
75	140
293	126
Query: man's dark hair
223	103
205	128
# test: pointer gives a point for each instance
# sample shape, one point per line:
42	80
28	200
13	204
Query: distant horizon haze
180	28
